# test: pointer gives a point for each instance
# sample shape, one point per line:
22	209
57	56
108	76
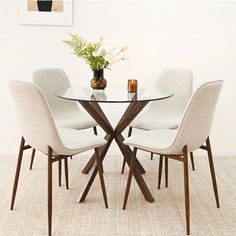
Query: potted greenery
97	55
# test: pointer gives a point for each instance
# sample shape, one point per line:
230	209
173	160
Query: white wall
200	35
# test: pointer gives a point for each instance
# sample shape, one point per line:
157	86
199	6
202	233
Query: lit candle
132	85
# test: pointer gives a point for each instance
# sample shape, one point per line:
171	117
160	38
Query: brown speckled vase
98	82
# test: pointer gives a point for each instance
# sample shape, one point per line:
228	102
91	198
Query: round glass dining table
90	100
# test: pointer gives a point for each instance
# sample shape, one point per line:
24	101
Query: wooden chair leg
99	166
95	130
213	176
130	131
32	159
151	155
192	160
50	191
166	171
18	166
186	190
123	164
129	177
59	173
160	171
66	173
96	133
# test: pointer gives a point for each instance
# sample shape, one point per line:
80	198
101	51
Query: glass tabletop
113	95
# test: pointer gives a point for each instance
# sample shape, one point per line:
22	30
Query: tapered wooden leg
192	160
32	158
166	171
130	131
123	164
59	173
66	173
213	176
151	155
92	173
137	172
49	191
129	177
114	133
186	190
20	155
95	130
160	171
99	166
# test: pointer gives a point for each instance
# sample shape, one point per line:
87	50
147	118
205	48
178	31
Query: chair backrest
198	116
50	80
180	82
34	116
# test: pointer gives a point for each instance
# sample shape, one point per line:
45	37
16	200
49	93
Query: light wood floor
163	217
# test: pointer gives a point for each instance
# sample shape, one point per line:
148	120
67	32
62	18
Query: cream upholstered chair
65	113
41	133
192	133
166	114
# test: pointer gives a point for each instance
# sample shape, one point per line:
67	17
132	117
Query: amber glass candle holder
132	85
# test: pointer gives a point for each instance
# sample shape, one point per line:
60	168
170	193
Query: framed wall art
45	12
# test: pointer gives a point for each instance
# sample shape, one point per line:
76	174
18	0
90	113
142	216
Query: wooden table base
97	113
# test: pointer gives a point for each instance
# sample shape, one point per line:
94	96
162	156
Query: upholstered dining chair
166	114
192	133
65	113
41	133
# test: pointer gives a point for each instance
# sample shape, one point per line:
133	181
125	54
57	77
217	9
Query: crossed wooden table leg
97	113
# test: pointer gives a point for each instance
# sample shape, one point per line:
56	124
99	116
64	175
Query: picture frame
35	12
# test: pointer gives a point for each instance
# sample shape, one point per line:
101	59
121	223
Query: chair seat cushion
74	120
152	120
157	141
77	141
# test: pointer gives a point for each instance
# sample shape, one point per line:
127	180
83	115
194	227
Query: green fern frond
92	53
